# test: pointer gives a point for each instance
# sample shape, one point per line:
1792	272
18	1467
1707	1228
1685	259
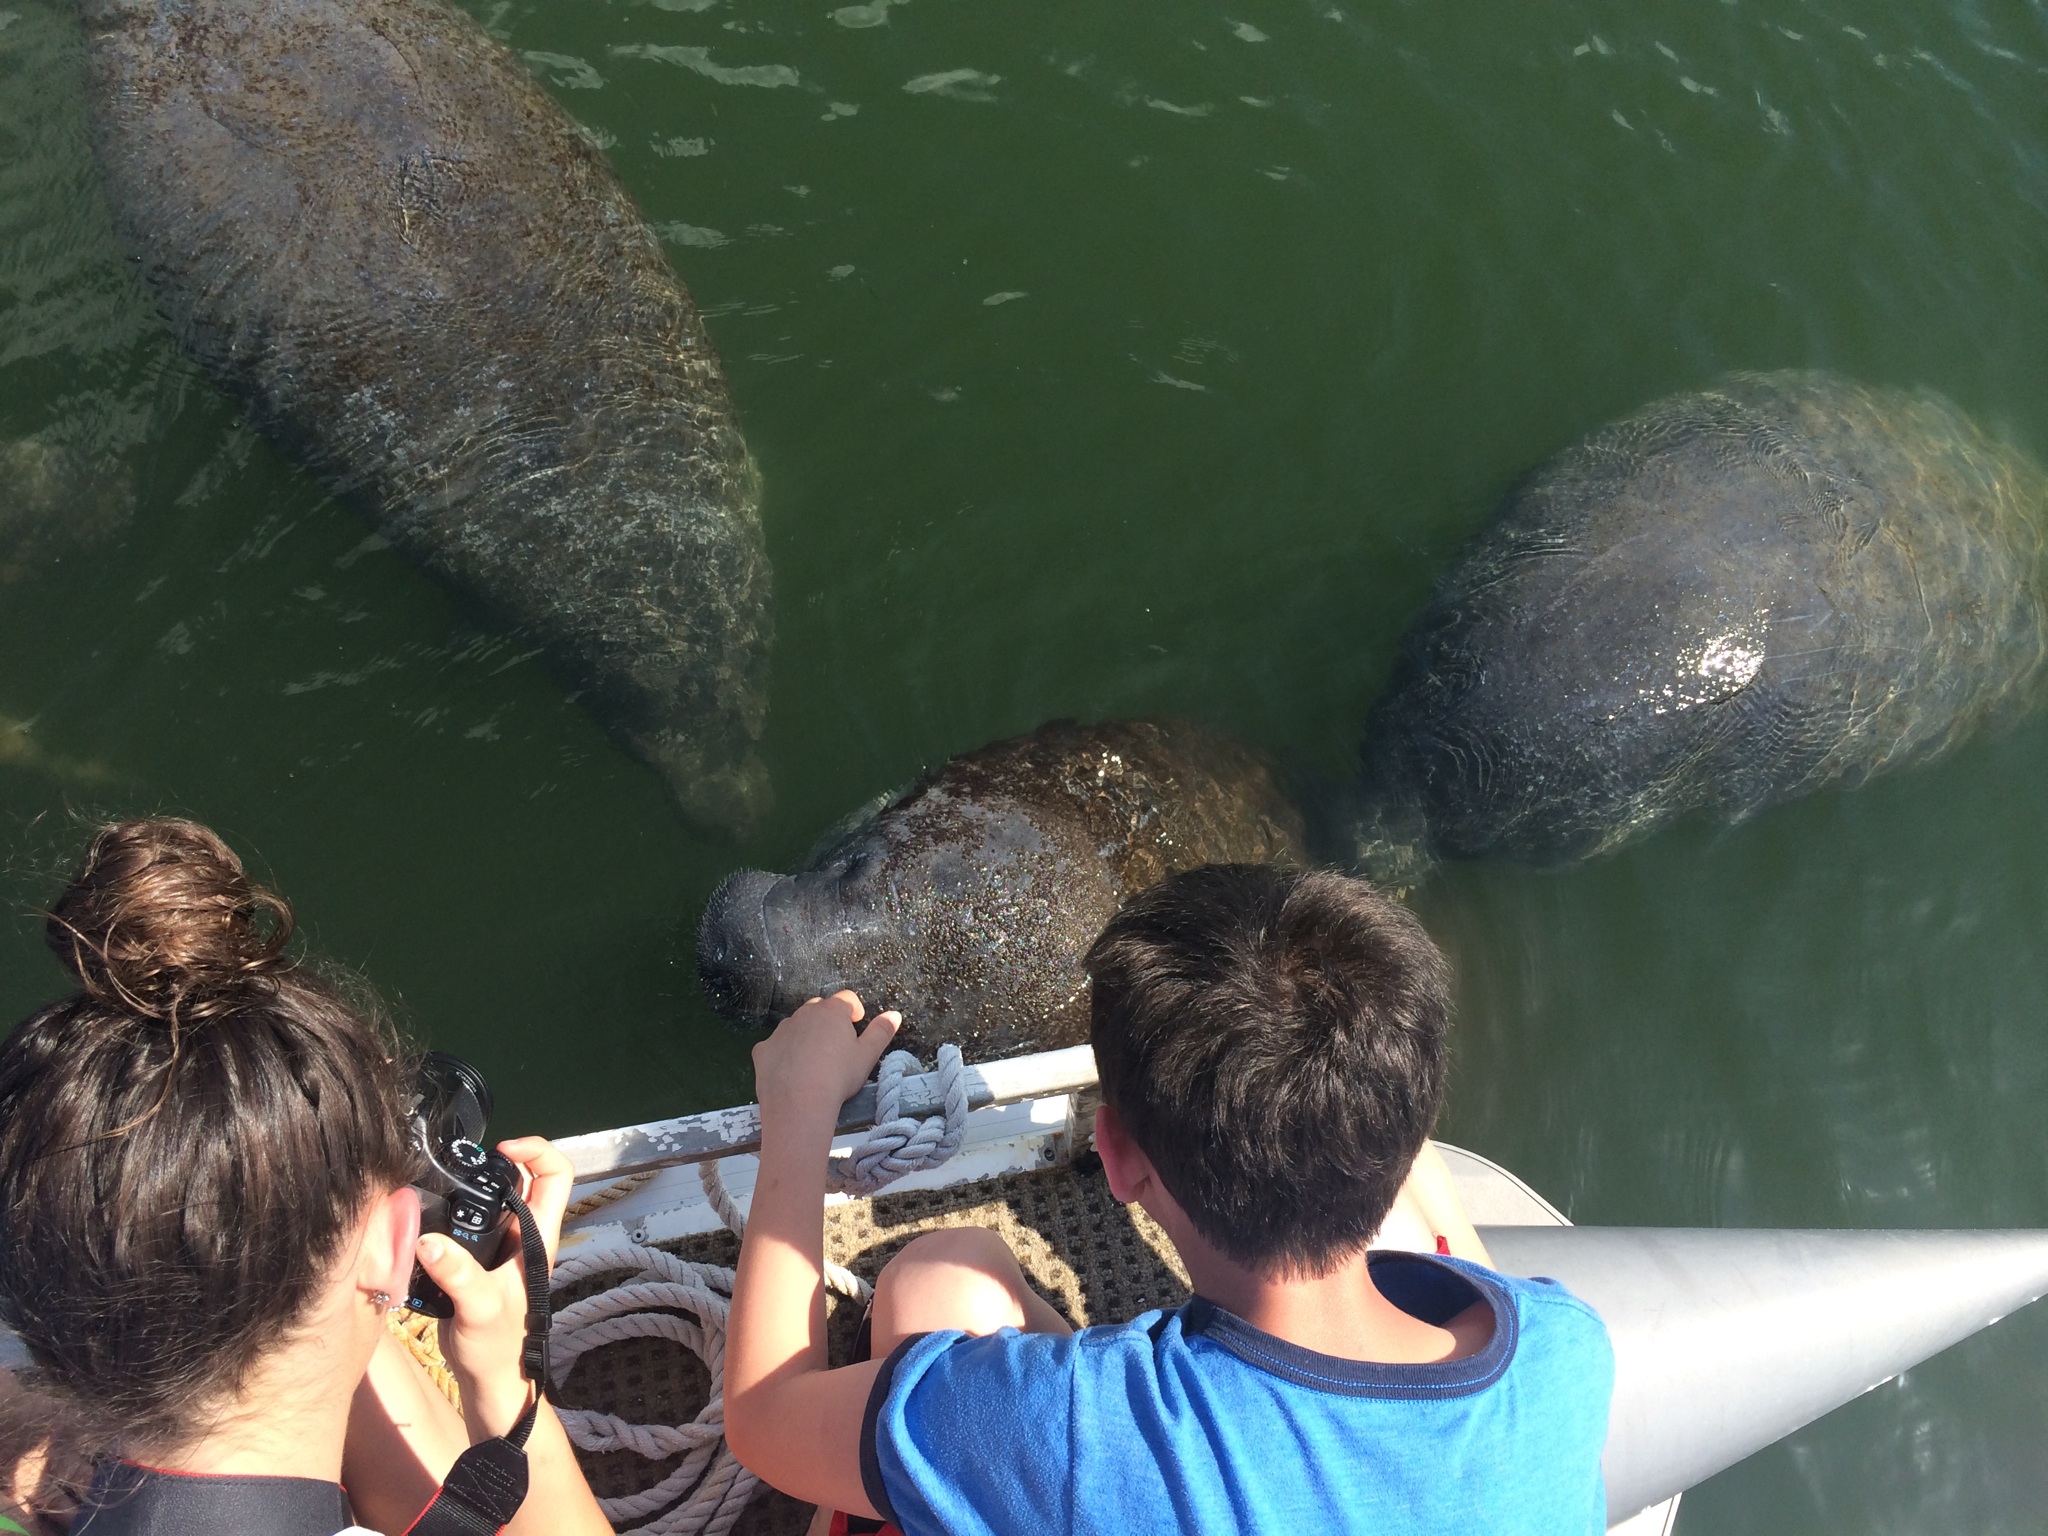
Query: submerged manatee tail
1360	826
1384	840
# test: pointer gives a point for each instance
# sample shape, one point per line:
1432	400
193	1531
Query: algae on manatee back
1729	599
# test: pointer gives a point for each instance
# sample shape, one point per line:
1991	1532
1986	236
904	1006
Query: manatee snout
736	961
768	943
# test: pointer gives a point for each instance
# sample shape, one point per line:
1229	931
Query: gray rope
838	1276
898	1145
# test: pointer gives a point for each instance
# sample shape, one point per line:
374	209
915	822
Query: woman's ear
1124	1163
387	1253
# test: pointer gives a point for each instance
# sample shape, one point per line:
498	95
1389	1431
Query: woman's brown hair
186	1141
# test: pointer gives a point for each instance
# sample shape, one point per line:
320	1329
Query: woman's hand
482	1344
483	1341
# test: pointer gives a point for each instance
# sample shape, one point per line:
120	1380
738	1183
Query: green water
1147	359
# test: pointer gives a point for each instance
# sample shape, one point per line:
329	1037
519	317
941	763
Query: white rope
840	1278
665	1297
899	1145
713	1487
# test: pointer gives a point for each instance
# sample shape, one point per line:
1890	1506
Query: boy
1272	1058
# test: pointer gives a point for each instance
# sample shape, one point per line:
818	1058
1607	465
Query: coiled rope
713	1488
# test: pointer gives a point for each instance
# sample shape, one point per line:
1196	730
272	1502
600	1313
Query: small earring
380	1301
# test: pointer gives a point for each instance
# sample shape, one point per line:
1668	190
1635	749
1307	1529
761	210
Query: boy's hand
816	1060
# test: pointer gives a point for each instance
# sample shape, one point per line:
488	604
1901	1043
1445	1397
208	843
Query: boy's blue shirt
1194	1421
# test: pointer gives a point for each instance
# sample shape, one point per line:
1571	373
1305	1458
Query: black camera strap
488	1482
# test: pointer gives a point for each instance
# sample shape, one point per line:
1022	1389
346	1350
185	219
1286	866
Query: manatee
1729	599
87	375
373	228
20	747
969	900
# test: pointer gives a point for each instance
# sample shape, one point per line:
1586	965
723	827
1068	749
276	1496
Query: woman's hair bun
161	920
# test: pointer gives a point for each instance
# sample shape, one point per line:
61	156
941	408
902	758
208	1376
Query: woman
206	1211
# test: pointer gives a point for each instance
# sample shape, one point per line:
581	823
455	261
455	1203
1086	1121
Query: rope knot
899	1144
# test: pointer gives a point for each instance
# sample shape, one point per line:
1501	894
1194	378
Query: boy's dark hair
1274	1040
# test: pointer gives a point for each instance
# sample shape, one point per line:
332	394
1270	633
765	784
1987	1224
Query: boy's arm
789	1419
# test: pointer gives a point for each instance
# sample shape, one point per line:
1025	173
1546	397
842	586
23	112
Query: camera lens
450	1087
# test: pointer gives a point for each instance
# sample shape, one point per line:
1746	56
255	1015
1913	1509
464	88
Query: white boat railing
726	1132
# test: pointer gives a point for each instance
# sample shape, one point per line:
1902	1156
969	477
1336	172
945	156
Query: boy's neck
1339	1313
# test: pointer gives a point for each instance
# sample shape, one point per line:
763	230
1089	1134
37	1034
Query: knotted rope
899	1145
712	1486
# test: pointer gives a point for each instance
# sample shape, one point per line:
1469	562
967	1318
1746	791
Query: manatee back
369	222
1728	599
1155	796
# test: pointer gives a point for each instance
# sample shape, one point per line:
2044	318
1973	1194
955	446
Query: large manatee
1726	600
372	226
969	900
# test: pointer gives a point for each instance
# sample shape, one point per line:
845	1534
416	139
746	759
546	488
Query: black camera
464	1189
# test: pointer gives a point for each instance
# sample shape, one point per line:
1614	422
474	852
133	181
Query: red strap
841	1521
1443	1245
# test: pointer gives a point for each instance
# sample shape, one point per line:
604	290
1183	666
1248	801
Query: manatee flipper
54	499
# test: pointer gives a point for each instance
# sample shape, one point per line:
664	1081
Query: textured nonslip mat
1092	1258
